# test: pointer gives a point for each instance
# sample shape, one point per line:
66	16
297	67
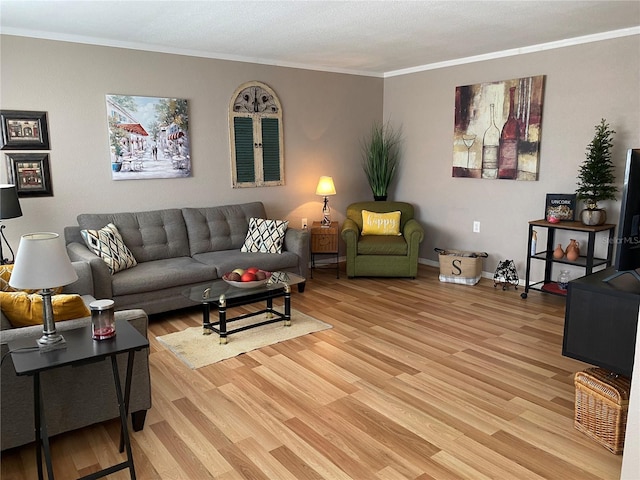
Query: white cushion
265	236
107	244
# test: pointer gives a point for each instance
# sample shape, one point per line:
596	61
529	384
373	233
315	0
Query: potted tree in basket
381	156
595	177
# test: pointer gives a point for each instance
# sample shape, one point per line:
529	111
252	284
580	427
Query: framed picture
23	130
560	205
148	137
30	174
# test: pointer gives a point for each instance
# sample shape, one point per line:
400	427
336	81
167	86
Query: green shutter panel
271	149
243	134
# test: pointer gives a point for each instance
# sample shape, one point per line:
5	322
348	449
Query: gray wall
584	84
324	114
325	117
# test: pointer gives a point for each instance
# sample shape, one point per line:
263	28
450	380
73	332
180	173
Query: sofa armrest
413	232
297	241
350	233
99	269
84	284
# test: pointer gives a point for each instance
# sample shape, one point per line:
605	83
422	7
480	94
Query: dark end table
80	349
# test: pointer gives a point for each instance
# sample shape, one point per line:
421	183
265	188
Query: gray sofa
75	397
179	248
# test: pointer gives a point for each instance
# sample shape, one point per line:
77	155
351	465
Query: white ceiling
378	38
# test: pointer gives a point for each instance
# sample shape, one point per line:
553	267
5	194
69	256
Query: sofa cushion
382	245
228	260
24	309
374	223
265	236
108	245
161	274
220	228
150	235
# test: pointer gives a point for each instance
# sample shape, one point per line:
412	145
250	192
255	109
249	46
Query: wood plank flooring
417	379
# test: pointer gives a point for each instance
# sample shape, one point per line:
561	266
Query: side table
324	240
80	348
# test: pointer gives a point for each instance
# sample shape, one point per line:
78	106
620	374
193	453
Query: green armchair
377	255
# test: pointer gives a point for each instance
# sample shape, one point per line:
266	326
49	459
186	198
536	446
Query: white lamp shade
325	187
42	262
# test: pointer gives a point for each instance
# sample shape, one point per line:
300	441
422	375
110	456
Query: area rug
197	350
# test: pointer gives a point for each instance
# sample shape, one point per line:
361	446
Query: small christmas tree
595	177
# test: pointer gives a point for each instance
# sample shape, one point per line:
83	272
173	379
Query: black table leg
287	305
127	394
123	412
222	314
42	438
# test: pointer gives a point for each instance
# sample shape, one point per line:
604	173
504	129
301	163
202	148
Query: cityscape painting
148	137
497	129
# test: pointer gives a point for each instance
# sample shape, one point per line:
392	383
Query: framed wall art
23	130
30	173
148	137
497	129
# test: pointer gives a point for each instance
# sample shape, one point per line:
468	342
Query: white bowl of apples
246	278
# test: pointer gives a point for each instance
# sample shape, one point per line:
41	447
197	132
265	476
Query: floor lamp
9	208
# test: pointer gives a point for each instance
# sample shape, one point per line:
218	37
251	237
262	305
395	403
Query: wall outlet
476	227
304	223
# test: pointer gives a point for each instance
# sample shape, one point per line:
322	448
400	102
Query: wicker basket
602	402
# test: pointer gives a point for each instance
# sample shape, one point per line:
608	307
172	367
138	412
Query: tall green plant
381	156
595	177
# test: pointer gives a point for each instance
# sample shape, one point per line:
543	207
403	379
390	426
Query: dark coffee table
223	295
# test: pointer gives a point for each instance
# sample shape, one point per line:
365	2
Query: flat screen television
627	257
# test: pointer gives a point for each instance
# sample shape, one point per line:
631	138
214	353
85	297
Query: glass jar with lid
563	279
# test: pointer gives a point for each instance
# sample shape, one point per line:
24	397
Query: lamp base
47	343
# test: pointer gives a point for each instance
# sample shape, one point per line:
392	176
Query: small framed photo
22	130
561	206
30	173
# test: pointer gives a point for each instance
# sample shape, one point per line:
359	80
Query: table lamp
326	188
9	208
42	264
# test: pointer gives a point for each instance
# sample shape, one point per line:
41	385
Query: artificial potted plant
381	156
595	177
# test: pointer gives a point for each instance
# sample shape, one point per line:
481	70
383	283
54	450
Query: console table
80	348
601	321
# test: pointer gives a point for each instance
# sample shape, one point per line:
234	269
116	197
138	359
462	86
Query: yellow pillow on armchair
374	223
23	309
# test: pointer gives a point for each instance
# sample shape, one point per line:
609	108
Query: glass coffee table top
211	291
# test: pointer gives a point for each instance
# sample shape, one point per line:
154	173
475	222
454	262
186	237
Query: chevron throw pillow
265	236
108	245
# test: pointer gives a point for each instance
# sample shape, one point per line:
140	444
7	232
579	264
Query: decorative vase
379	198
573	250
592	217
115	166
558	253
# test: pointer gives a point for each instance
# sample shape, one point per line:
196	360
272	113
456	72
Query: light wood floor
417	379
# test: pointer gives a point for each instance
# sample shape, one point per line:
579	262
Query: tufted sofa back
152	235
220	228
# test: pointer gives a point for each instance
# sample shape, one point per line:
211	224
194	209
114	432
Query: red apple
248	277
252	269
